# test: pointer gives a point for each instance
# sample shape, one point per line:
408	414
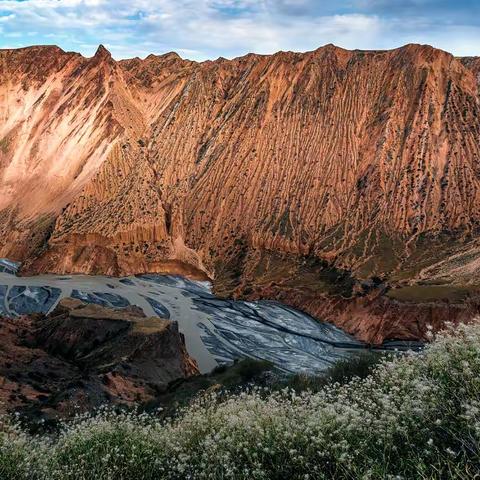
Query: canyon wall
365	162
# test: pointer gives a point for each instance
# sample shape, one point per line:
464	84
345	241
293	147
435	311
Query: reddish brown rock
373	310
364	159
375	317
82	356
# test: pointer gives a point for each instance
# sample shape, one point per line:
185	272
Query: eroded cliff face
360	159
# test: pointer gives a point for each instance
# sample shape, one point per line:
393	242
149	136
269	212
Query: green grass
225	379
342	372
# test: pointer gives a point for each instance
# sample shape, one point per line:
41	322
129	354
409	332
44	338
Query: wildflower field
416	416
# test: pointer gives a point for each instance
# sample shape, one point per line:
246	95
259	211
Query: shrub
250	369
106	446
414	417
13	451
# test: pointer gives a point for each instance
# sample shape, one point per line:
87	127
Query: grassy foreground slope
413	417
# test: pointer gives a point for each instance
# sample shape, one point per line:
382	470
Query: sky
208	29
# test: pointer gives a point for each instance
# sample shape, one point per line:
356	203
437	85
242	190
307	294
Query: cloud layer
201	29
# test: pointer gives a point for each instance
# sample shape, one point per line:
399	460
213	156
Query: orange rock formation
365	161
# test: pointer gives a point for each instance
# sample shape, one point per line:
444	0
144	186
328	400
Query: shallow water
216	331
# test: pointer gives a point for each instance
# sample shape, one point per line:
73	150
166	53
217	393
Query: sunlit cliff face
167	165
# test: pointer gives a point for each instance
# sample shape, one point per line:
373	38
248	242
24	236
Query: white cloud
203	29
7	18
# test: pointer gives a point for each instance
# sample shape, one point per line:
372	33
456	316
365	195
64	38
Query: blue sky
203	29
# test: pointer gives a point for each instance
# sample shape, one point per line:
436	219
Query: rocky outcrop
82	356
361	159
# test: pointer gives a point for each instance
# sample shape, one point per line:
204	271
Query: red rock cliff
353	157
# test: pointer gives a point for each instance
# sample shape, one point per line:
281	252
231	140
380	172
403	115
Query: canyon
343	183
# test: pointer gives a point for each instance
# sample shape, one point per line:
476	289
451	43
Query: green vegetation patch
301	272
225	379
343	371
427	250
4	145
433	293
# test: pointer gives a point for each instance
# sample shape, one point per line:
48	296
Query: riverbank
217	331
